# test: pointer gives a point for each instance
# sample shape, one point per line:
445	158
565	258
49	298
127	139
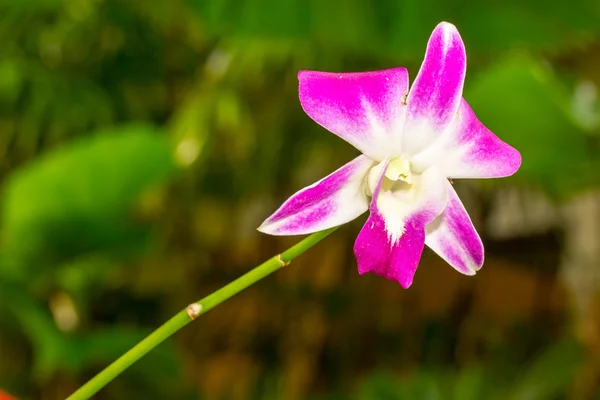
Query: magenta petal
485	155
334	200
376	253
454	238
392	240
365	109
469	150
435	95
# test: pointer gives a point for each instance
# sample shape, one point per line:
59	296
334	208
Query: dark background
142	142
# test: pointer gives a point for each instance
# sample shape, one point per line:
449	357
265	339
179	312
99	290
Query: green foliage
550	374
397	28
527	106
71	203
74	352
78	199
547	377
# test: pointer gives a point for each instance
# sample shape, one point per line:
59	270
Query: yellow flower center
397	173
399	170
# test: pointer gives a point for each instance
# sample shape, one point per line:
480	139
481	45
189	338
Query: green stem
191	312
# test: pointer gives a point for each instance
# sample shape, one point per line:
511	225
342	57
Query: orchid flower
412	143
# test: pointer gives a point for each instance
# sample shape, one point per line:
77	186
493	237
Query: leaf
401	28
58	351
551	373
421	384
425	385
470	384
524	104
77	199
37	323
11	81
294	19
533	24
380	385
36	5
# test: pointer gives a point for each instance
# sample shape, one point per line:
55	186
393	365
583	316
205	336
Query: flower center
397	174
399	170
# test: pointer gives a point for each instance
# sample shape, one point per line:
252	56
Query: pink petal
469	150
365	109
376	253
454	238
391	241
435	95
334	200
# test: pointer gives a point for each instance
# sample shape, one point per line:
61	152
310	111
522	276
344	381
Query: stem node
193	310
281	261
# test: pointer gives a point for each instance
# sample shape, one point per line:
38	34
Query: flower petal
391	241
454	238
376	253
469	150
435	95
334	200
365	109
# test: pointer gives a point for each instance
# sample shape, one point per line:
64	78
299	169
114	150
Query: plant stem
192	311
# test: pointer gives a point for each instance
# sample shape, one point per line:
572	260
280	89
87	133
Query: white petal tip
266	227
472	269
446	26
267	231
275	229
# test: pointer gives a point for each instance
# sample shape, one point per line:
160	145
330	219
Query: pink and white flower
412	142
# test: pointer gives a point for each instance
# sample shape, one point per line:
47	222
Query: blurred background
142	142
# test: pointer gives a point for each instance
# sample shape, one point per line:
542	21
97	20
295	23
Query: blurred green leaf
32	4
426	385
550	374
470	384
11	81
380	385
420	384
37	323
532	24
399	28
72	352
77	199
525	105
